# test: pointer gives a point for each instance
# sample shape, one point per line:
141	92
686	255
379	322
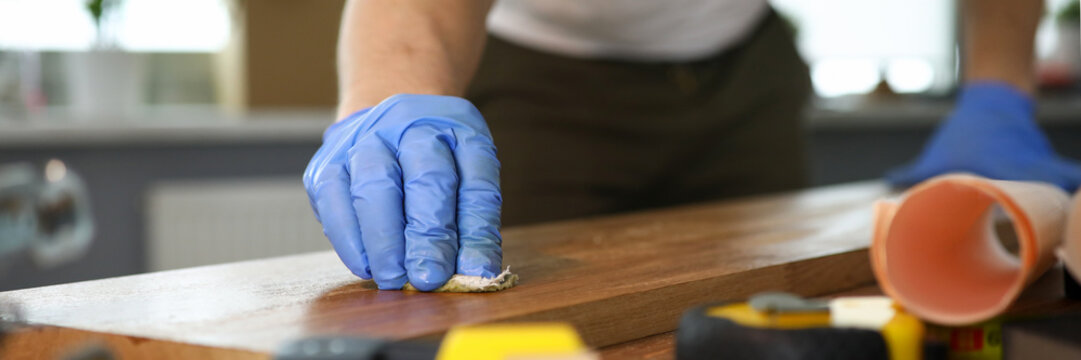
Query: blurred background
191	121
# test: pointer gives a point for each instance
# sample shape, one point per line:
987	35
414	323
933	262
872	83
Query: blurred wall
118	178
281	53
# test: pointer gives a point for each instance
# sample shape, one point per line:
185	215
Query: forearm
998	41
388	47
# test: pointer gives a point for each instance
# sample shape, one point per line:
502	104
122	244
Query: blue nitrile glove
408	190
992	132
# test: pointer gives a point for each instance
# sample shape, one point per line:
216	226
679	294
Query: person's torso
671	30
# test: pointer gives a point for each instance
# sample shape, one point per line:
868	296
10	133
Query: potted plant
105	82
1061	68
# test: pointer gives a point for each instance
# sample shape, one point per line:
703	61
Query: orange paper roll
936	253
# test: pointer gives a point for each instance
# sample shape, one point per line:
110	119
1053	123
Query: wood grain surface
654	347
616	278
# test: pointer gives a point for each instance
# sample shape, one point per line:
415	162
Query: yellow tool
785	326
503	341
474	342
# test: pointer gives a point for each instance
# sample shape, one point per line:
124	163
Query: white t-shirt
645	30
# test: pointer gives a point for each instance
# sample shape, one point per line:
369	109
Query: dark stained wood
615	278
51	343
656	347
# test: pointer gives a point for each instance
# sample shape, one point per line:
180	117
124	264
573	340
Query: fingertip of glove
1073	177
392	284
482	270
428	280
1069	185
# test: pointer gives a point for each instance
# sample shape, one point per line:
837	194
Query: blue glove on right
408	190
992	132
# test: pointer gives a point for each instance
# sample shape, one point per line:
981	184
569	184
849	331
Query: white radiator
208	222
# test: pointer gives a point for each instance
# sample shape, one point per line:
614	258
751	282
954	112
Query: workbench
621	280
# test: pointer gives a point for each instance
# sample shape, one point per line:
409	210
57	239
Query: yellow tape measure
784	326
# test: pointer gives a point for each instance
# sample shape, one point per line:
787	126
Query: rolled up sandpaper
936	253
459	283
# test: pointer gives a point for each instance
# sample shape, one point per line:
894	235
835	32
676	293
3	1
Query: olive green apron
579	137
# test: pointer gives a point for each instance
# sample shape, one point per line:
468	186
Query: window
851	45
141	25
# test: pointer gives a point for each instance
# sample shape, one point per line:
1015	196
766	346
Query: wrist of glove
408	190
991	132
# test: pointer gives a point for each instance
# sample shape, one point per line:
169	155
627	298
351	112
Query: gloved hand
408	190
992	133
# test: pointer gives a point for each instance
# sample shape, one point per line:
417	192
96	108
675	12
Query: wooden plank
655	347
615	278
51	343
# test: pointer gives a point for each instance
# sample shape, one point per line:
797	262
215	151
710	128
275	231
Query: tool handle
701	336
